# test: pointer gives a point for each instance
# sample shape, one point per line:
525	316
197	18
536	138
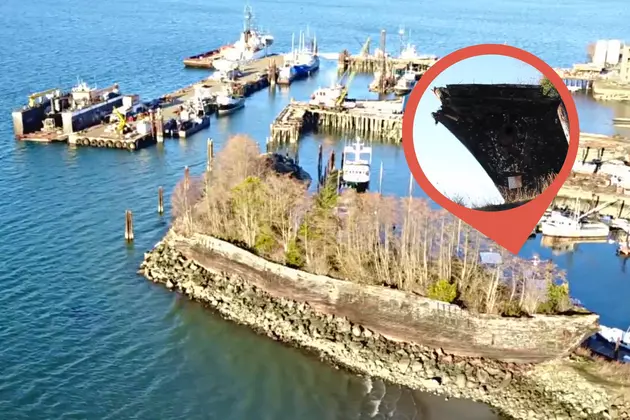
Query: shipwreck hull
518	134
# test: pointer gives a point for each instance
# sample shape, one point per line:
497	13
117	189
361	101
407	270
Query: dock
374	119
192	104
373	63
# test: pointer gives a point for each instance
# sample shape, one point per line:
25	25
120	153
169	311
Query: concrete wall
399	315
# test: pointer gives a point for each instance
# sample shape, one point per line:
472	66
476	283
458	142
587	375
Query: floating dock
377	119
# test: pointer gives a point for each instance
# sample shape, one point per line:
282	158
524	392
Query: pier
90	126
373	63
379	119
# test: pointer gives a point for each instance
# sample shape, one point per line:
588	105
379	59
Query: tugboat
228	102
355	170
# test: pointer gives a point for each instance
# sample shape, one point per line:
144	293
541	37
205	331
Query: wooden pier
376	119
374	63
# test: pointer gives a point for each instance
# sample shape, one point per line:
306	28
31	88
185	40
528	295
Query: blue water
82	336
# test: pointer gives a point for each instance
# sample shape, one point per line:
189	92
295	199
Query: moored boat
251	45
355	167
227	102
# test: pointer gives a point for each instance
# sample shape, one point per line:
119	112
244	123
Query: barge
52	115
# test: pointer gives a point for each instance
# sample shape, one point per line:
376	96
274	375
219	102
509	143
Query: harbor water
83	336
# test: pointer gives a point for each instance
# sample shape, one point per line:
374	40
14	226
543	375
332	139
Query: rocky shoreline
544	391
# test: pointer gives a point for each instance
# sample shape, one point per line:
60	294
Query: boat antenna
248	17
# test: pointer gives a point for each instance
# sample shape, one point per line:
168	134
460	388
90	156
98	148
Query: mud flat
248	290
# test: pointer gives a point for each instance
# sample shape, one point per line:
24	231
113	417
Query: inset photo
491	133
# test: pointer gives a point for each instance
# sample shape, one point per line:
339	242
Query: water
82	335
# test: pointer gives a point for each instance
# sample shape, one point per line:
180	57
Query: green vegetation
548	89
443	290
368	238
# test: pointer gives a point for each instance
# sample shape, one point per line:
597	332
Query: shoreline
515	391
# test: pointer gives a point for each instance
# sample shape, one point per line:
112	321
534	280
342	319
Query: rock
482	376
460	380
417	366
343	343
430	383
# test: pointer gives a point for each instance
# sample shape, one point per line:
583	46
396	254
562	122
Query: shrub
294	256
557	299
443	290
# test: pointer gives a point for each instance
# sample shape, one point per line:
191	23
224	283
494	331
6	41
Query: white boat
406	83
615	335
355	167
287	73
562	226
327	97
228	102
252	44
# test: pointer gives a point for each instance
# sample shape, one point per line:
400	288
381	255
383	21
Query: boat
406	83
227	102
306	59
287	73
252	44
610	343
355	169
563	226
327	96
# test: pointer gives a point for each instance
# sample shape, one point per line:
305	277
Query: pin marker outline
508	228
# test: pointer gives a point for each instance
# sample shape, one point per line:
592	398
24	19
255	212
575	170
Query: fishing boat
306	58
227	102
563	226
355	167
406	83
287	73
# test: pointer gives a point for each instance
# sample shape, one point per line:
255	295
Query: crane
350	78
34	96
122	121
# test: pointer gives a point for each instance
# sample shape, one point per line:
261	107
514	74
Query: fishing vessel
406	83
355	167
306	59
228	102
563	226
252	44
288	72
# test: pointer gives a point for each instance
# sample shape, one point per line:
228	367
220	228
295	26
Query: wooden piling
319	165
186	178
160	200
210	154
128	225
380	179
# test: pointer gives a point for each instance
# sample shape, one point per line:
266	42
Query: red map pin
509	228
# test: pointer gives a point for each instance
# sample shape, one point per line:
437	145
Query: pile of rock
513	389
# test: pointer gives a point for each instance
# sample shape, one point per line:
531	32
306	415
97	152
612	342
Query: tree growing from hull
367	238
